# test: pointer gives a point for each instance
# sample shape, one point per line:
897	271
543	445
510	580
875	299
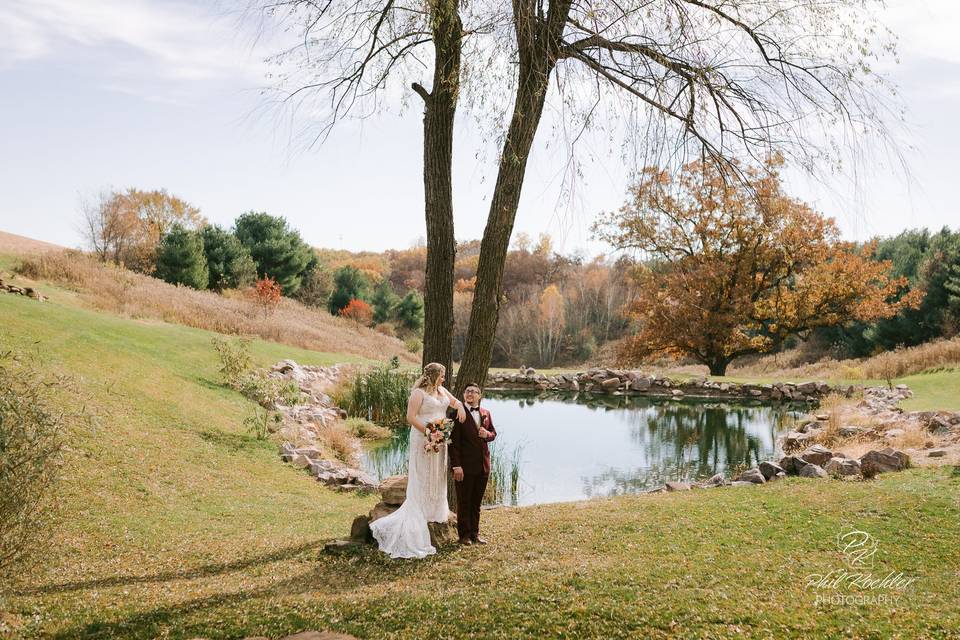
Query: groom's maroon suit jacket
467	449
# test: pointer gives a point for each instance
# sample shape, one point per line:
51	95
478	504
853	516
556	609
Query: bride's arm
413	407
453	402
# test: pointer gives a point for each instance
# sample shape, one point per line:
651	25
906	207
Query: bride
404	533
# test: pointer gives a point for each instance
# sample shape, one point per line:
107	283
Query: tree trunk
532	87
718	366
440	107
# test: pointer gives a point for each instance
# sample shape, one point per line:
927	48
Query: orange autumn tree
735	267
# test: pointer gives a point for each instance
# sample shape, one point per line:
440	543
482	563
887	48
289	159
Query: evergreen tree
409	312
348	284
229	265
384	301
278	251
180	258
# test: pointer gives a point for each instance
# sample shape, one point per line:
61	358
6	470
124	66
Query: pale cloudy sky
161	93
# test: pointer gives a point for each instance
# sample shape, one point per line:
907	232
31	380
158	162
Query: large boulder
641	383
842	467
394	490
813	471
442	533
360	529
770	470
792	464
796	439
610	384
677	486
380	510
883	461
817	454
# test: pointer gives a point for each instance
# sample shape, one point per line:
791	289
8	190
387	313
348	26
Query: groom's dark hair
472	384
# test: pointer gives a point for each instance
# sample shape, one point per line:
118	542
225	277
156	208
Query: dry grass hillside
107	288
21	245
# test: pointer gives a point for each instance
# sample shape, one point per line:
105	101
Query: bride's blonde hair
431	375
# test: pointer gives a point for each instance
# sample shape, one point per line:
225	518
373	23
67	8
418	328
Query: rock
640	384
676	392
394	490
442	533
850	431
770	470
795	439
610	384
792	464
752	475
300	461
807	387
812	471
817	455
842	467
677	486
379	510
883	461
937	453
893	433
360	529
822	417
742	483
716	480
756	393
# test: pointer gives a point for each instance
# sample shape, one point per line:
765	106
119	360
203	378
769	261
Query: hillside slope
74	279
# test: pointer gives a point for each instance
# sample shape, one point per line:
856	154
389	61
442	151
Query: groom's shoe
465	542
479	540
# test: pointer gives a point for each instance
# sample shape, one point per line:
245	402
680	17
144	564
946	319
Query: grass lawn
178	524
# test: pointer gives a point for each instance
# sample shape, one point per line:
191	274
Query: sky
101	94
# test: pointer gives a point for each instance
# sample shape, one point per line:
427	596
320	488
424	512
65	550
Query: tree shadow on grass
328	576
234	442
203	571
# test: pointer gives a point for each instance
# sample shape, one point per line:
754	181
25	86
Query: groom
470	462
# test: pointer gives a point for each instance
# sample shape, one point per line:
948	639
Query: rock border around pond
636	382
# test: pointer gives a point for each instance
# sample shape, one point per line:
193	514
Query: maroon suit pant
469	497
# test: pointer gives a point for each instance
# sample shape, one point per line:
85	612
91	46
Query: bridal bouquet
438	433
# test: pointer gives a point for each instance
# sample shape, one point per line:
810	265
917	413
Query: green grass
933	390
178	524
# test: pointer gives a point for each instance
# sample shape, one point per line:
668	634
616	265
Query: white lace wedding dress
404	533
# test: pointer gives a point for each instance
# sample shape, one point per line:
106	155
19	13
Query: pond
557	448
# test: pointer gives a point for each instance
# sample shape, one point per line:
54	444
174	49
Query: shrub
262	422
238	373
266	294
340	443
235	359
358	311
386	329
379	395
413	345
31	446
363	428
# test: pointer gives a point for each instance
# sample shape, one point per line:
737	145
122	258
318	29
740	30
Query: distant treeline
557	309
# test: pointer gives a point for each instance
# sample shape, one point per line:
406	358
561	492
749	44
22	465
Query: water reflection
553	447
